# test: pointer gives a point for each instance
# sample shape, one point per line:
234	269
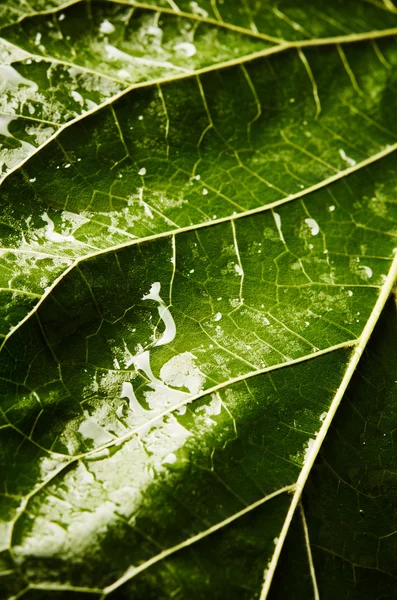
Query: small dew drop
350	161
123	74
77	97
170	459
106	27
185	49
313	225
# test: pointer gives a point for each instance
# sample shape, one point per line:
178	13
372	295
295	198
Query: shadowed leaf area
349	499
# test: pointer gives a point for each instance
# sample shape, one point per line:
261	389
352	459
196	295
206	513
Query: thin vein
217	388
280	47
23	292
29	118
389	150
133	571
69	461
313	82
309	553
307	467
173	11
348	69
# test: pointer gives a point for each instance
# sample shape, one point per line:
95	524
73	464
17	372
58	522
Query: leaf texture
198	236
349	498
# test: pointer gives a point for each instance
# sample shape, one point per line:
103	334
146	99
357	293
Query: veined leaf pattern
198	231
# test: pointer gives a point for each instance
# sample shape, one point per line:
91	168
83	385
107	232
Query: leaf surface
350	496
57	67
170	156
189	278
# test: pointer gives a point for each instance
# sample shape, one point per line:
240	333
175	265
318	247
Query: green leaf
191	270
57	67
170	156
350	496
284	20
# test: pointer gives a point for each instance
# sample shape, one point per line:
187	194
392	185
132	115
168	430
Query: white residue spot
61	17
205	191
10	78
322	416
181	371
77	97
142	362
51	234
106	27
32	180
142	171
92	430
238	270
366	272
123	74
155	33
128	392
37	39
164	313
350	161
218	316
185	49
170	459
140	118
331	208
90	104
5	121
313	225
310	448
277	220
197	10
349	293
147	210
